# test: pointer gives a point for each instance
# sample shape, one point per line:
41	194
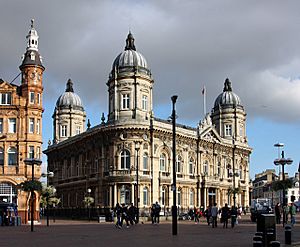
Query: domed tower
130	86
69	115
31	90
228	115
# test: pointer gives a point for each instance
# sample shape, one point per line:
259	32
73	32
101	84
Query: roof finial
130	42
32	21
88	124
70	86
227	86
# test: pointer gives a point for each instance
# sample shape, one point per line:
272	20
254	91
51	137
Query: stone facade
21	110
133	147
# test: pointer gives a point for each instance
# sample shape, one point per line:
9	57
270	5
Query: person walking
278	213
132	214
152	212
233	213
293	214
225	215
118	212
207	214
196	213
214	215
157	212
124	215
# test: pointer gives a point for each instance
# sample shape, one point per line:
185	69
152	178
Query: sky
188	45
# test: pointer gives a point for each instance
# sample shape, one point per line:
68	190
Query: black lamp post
174	207
48	175
32	162
282	161
137	149
233	171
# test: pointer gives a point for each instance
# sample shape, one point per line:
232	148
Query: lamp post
233	171
48	175
174	207
89	209
283	161
32	161
137	149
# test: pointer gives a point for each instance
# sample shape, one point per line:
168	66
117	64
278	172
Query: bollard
288	234
270	237
275	244
257	241
260	234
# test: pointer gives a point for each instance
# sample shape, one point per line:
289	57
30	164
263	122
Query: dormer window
5	98
32	56
228	130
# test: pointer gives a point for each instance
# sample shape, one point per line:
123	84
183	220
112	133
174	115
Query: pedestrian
157	212
152	212
196	213
278	213
124	215
132	214
286	211
118	212
233	214
214	214
225	215
207	214
293	214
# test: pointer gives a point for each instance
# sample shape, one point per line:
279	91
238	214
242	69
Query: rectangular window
125	101
12	125
1	125
38	152
5	98
228	130
31	97
38	98
38	125
144	102
63	132
31	125
31	152
78	130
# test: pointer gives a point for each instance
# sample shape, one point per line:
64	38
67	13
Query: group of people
127	214
288	210
155	212
212	213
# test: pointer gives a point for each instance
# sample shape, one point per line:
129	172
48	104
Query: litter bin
266	223
288	234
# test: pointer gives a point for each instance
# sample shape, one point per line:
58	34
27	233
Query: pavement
89	234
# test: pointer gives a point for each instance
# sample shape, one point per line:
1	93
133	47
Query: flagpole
204	100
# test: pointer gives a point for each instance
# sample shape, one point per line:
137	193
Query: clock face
32	75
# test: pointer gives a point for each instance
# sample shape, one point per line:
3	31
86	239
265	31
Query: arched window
145	196
145	161
192	198
191	166
219	168
12	156
1	157
205	168
178	164
162	162
125	159
229	172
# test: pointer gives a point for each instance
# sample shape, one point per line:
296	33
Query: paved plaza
89	234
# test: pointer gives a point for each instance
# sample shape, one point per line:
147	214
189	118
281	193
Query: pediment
6	86
210	134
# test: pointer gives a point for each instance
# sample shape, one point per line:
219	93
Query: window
219	168
125	101
38	125
162	162
144	102
63	131
12	156
31	97
191	166
229	172
178	197
145	161
178	164
5	98
192	198
1	125
125	159
12	125
38	152
31	125
1	157
32	56
31	152
78	130
38	98
241	172
205	168
228	130
145	196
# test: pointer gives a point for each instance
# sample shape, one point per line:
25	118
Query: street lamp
32	161
283	161
89	208
137	149
174	207
48	175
